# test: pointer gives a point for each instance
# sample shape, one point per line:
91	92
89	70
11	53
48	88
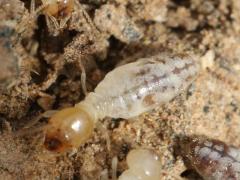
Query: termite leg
54	21
49	25
114	167
27	129
35	12
105	133
52	25
32	6
63	21
46	114
83	78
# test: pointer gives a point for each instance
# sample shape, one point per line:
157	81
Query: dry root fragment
83	49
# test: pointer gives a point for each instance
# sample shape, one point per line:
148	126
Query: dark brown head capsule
212	159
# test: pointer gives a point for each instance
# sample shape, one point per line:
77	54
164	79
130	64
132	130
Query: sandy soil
41	72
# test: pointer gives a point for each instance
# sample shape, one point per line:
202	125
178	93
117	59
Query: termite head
68	128
59	8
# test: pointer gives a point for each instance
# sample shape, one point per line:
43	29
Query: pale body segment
126	92
143	164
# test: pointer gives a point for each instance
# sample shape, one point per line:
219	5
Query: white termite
143	164
125	92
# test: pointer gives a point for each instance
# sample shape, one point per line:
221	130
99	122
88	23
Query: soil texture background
41	70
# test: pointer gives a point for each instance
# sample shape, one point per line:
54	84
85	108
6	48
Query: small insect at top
58	8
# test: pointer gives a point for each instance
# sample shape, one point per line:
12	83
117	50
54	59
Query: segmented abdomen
137	87
213	159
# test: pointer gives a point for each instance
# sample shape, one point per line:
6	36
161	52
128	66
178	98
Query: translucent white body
125	92
137	87
143	165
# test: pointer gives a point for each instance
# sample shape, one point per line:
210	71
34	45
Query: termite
213	159
143	164
126	92
57	13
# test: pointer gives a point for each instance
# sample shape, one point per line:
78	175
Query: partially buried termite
212	159
57	14
126	92
143	164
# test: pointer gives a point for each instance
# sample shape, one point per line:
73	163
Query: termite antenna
29	129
